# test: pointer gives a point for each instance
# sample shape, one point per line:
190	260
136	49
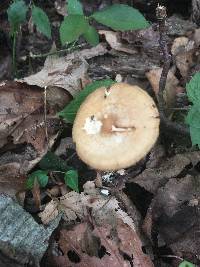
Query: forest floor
142	216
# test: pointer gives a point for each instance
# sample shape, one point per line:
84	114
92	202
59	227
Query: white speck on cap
107	92
92	125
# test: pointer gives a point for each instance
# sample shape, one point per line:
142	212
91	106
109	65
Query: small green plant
118	17
52	163
17	13
193	116
16	16
40	175
186	264
71	179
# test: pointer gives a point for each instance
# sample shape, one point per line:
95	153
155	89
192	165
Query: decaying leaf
170	89
60	72
16	225
153	178
73	206
113	39
51	212
25	135
98	50
174	213
177	26
183	50
197	37
11	180
147	39
68	72
107	245
114	231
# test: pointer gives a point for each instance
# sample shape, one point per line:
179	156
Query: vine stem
69	49
161	15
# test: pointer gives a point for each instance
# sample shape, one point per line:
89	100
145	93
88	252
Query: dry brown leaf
69	73
147	39
65	143
23	131
174	213
179	45
184	62
95	51
153	178
114	41
11	180
73	206
61	72
51	211
170	89
116	242
197	37
114	233
183	50
177	26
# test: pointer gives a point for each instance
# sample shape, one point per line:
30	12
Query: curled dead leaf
170	89
113	39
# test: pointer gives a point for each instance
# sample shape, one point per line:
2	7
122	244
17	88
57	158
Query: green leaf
193	89
193	116
91	36
69	112
41	177
72	27
52	162
71	179
16	15
193	119
41	20
186	264
121	17
74	7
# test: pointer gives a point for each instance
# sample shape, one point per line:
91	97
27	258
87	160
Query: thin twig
171	256
161	15
45	115
69	49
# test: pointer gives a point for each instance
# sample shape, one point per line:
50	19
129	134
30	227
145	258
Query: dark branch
161	15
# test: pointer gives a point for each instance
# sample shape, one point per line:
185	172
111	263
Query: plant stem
56	52
161	15
14	53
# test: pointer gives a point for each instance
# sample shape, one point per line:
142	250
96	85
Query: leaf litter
107	218
97	230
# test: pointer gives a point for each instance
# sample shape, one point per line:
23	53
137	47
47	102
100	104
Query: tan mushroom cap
116	128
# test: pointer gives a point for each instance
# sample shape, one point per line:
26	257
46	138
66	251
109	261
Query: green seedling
193	116
117	17
17	15
186	264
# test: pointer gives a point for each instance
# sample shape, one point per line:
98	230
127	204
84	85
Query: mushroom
116	127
